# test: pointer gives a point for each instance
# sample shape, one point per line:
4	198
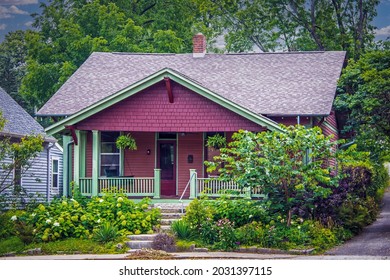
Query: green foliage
363	95
126	142
290	166
11	244
21	152
66	218
181	229
165	242
226	237
239	211
196	214
356	213
7	222
216	141
251	234
106	233
24	231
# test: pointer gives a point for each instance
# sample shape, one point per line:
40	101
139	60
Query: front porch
150	187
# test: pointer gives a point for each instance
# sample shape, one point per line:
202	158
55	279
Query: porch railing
213	187
86	186
129	186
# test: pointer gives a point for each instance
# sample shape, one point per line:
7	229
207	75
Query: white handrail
185	189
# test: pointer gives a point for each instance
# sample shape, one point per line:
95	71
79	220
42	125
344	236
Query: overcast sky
15	15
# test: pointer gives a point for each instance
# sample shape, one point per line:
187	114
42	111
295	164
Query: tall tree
364	92
70	30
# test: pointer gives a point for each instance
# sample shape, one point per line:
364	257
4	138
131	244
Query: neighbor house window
55	173
109	155
17	177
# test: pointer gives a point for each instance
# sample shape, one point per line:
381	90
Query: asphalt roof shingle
19	122
302	83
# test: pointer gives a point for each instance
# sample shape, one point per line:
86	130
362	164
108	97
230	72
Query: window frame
55	173
101	154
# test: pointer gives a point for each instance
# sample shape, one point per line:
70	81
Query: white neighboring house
44	177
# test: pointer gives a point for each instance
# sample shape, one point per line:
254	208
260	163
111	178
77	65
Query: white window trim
109	154
53	173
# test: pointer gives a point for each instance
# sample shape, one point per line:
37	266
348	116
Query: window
109	155
55	173
17	177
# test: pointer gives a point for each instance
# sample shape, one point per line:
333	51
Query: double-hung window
55	173
109	155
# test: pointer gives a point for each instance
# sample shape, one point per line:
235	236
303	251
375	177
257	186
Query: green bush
7	222
106	233
356	213
197	212
226	237
251	234
182	229
66	218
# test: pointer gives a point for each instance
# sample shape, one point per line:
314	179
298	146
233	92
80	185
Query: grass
66	246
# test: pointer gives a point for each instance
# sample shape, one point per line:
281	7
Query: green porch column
248	193
157	183
193	180
67	164
83	146
95	161
76	163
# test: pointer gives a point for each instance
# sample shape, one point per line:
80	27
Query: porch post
193	180
83	145
157	183
76	164
248	193
95	161
67	157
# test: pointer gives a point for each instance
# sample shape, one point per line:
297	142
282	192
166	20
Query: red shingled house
171	103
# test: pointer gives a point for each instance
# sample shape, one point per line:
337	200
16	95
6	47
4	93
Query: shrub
239	211
7	223
25	232
356	213
251	234
226	239
106	233
182	229
321	238
165	242
196	213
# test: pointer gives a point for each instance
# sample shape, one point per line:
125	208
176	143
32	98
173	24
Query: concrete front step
139	244
167	221
136	237
172	215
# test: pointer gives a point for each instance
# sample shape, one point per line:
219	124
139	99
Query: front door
167	164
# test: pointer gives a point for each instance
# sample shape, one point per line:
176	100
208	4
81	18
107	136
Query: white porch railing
129	186
213	187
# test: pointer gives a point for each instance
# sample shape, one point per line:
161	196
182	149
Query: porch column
157	183
83	146
193	180
95	161
76	163
67	164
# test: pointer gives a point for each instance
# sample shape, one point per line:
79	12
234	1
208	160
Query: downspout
48	173
68	164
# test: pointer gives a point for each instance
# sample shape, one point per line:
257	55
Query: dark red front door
167	164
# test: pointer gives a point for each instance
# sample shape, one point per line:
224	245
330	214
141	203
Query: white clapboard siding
34	180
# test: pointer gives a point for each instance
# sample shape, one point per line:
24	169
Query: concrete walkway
374	240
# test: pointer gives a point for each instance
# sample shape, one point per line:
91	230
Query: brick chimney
199	45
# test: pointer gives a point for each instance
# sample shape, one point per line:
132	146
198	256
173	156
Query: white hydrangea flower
56	224
101	200
14	218
48	221
33	215
98	221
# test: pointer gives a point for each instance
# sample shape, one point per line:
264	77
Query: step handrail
185	189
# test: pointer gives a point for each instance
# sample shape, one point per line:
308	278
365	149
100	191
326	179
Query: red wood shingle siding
189	144
150	110
138	163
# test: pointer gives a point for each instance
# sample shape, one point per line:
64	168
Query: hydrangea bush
65	218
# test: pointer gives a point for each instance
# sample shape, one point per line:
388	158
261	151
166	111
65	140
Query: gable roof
302	83
153	79
19	122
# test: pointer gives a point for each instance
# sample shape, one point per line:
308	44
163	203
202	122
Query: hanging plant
126	142
216	141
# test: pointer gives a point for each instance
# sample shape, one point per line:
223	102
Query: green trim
193	180
151	80
121	160
95	161
76	160
66	165
83	150
157	183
